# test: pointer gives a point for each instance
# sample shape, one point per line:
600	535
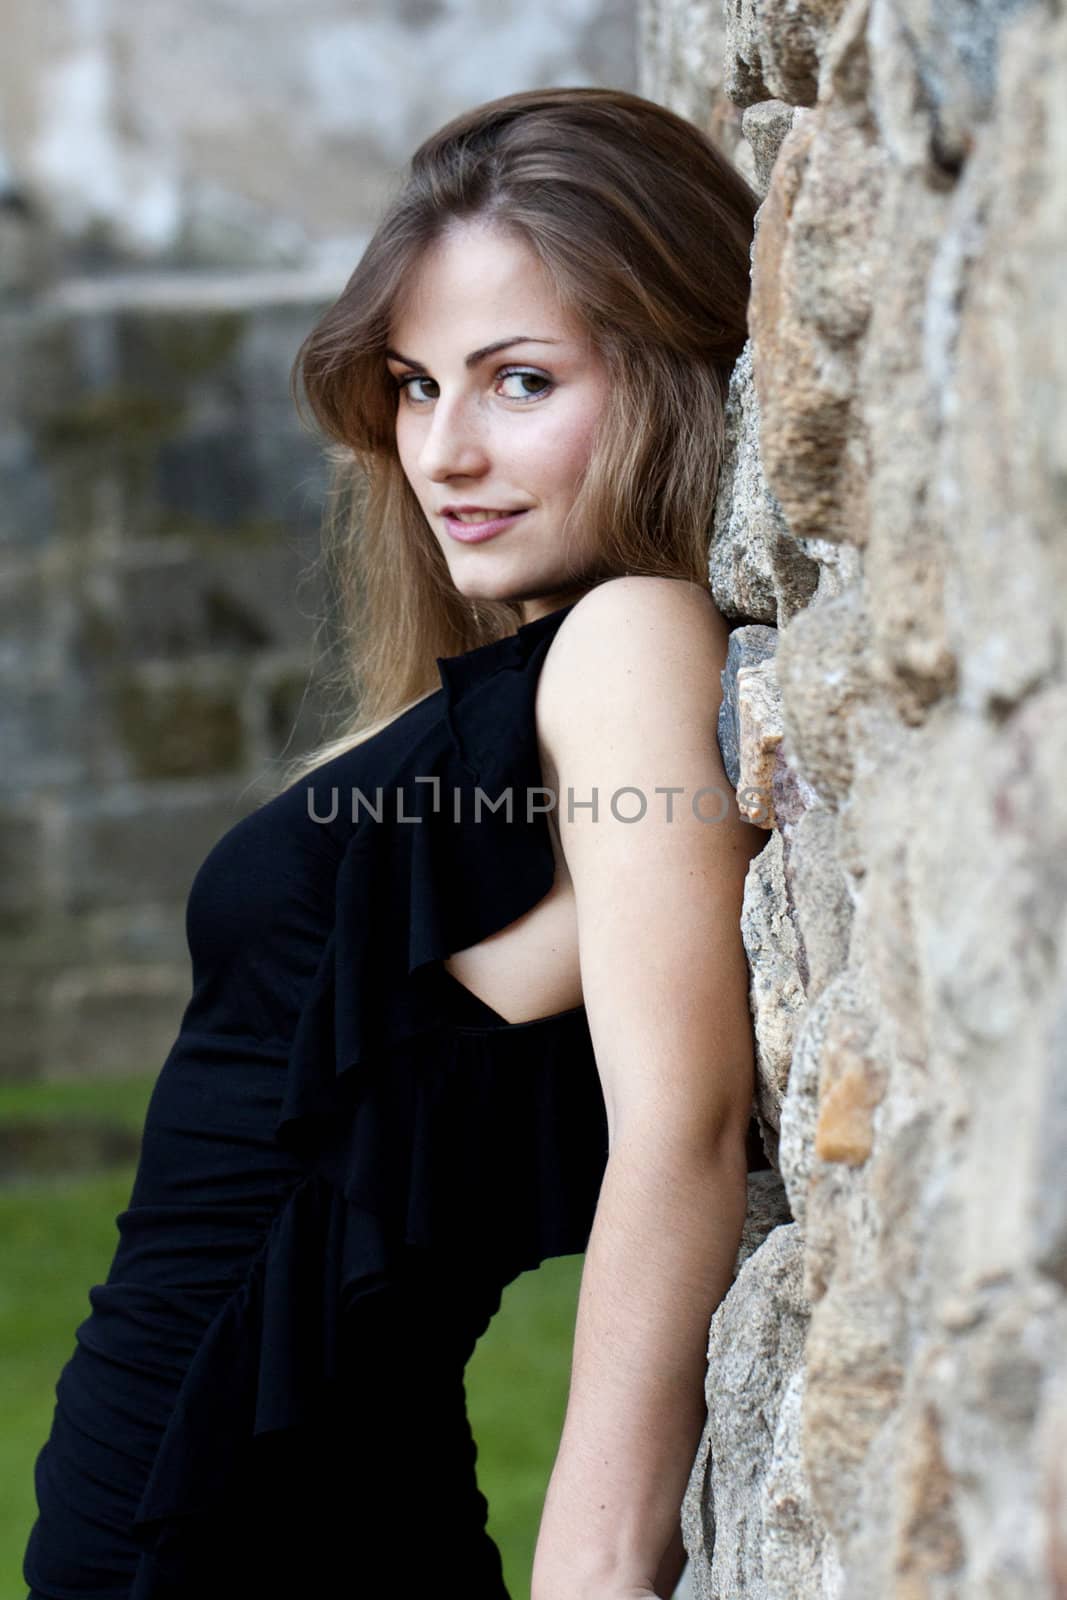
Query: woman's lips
474	532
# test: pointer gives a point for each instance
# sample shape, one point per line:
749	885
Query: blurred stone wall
254	131
887	1379
182	191
158	609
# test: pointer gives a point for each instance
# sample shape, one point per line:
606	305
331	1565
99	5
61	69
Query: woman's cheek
561	448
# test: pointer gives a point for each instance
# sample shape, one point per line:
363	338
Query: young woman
442	1028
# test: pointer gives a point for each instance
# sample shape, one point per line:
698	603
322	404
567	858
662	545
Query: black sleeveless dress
346	1157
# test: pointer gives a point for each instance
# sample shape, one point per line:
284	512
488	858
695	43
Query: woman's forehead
479	279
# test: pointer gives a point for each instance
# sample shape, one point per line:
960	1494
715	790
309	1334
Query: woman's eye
516	376
522	376
404	385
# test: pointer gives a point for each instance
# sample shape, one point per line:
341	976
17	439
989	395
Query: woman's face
500	394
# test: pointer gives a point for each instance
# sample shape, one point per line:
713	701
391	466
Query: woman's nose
454	445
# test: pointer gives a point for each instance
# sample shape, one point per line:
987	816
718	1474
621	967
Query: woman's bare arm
660	1259
628	701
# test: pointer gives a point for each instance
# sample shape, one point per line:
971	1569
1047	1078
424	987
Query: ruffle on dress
476	1157
462	849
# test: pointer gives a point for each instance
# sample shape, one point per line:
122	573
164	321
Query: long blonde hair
644	228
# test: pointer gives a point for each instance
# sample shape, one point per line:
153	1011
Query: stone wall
159	610
887	1379
254	131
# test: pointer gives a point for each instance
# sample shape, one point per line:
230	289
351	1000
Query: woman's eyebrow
476	355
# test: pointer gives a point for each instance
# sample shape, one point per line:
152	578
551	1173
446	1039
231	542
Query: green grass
516	1395
121	1100
59	1237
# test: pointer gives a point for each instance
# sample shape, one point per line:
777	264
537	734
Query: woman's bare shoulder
630	639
